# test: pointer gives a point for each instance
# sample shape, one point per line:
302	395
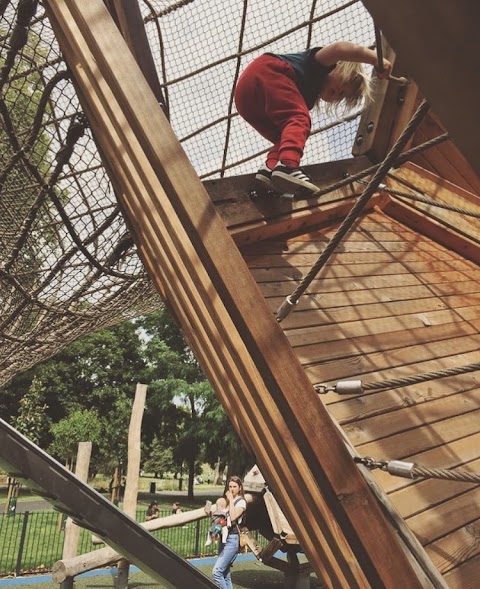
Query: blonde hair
352	74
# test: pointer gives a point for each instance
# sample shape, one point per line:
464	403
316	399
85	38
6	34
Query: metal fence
31	542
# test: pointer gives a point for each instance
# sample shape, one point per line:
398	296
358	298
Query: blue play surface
35	580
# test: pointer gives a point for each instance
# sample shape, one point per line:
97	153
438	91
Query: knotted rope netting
67	263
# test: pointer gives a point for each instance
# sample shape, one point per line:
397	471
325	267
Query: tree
160	459
205	431
223	449
190	440
98	374
114	442
31	420
90	373
178	375
82	425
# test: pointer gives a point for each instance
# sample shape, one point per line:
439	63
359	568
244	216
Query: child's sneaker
264	177
291	179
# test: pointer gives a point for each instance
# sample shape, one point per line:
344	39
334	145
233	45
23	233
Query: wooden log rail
201	275
70	567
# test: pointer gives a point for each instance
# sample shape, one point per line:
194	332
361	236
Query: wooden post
128	17
171	521
133	470
72	531
116	483
10	487
201	274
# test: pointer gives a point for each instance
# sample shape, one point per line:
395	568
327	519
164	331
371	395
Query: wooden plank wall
392	303
445	160
440	189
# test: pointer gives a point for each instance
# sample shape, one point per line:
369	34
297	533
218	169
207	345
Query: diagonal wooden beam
452	229
197	268
90	510
438	44
129	20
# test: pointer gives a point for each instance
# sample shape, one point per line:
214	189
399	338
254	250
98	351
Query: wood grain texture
197	268
392	303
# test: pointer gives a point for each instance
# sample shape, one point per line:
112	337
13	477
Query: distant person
152	511
228	550
176	508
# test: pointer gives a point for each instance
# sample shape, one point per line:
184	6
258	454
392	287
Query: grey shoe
291	179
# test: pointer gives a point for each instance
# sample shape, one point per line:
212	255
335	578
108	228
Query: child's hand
386	70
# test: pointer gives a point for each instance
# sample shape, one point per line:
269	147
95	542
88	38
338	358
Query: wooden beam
235	189
72	531
438	44
76	565
134	454
445	159
435	185
297	221
378	124
46	477
128	17
452	229
194	263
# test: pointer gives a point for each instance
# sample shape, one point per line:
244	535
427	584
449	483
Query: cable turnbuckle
370	463
397	468
342	387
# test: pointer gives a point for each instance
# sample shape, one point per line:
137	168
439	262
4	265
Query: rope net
67	263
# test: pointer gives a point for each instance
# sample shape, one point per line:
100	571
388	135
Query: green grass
44	535
44	540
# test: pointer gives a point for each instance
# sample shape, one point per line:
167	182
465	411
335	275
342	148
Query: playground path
40	504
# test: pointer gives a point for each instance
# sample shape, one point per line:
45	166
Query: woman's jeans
227	553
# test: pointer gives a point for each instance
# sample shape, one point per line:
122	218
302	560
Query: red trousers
267	97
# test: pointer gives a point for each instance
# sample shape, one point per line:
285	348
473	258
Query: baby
220	522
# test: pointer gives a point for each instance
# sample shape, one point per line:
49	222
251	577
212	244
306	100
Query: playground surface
247	573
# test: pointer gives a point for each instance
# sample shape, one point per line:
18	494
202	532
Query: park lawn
43	540
250	574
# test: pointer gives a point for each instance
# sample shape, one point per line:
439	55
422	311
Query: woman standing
228	550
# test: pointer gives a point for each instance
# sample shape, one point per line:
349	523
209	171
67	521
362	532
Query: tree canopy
85	393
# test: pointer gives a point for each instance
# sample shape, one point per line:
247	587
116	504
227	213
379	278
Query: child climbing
220	522
276	92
